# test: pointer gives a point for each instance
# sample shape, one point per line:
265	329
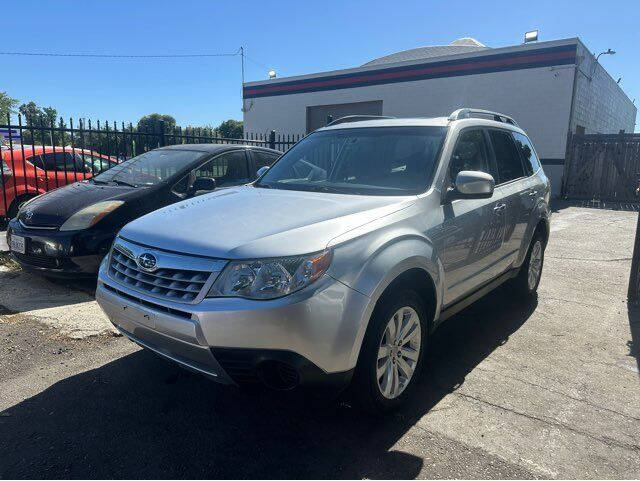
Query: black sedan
67	232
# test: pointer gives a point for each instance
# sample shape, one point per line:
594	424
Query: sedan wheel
398	352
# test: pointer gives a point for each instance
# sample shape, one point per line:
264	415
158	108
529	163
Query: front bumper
61	254
316	332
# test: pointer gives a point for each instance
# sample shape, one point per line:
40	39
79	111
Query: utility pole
242	72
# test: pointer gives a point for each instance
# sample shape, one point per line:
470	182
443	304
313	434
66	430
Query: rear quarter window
531	161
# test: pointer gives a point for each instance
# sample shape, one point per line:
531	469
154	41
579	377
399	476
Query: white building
550	88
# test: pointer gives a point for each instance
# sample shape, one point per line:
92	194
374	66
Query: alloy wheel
535	265
398	352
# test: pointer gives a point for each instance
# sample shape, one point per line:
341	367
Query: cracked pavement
548	389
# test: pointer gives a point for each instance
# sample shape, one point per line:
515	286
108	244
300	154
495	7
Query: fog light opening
278	375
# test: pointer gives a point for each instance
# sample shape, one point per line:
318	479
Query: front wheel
392	353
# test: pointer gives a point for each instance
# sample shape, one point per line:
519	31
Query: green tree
31	112
50	115
7	106
148	129
35	116
150	123
230	129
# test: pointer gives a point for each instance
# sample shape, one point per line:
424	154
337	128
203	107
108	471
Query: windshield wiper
96	181
327	188
122	182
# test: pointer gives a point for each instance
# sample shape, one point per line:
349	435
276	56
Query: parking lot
549	389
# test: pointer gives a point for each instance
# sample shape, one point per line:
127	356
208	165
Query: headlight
91	215
269	278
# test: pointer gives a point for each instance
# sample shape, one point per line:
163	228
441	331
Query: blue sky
294	37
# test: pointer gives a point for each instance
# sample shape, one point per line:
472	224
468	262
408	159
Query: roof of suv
409	122
420	122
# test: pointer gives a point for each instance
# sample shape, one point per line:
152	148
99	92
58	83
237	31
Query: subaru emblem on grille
147	262
28	215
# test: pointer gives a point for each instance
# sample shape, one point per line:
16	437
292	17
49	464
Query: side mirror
262	170
202	185
473	184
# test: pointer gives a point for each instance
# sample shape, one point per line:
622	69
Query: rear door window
263	159
228	169
531	161
507	157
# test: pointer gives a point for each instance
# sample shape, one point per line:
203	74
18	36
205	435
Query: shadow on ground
139	416
24	291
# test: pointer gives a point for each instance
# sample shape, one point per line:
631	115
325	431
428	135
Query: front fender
369	267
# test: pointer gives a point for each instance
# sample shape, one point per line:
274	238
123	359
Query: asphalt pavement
543	389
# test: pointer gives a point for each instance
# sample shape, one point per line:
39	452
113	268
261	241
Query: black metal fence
39	155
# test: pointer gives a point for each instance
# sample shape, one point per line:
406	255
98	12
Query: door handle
500	207
533	194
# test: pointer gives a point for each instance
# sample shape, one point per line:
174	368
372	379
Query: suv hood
55	207
250	222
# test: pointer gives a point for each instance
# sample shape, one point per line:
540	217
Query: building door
317	115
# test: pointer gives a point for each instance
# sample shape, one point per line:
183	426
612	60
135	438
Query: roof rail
357	118
466	113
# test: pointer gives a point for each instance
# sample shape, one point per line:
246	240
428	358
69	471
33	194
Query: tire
376	394
526	283
16	204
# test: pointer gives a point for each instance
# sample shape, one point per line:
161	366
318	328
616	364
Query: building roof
480	59
462	45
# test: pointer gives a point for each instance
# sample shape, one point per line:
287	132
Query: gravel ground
549	389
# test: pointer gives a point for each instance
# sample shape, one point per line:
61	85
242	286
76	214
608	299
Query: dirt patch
68	306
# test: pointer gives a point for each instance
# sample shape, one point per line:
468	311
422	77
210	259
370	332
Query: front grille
173	284
152	305
38	261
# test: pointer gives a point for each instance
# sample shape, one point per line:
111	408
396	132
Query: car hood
55	207
249	222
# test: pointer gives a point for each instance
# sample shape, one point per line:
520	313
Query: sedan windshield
149	168
366	161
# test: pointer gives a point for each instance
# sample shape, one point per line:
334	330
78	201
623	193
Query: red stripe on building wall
375	76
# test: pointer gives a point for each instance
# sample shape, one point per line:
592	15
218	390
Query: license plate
17	244
134	314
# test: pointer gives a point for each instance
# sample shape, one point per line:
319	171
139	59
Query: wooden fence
602	167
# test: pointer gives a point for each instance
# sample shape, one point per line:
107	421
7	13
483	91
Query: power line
259	64
100	55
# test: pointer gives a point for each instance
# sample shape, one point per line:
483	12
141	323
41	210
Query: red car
30	171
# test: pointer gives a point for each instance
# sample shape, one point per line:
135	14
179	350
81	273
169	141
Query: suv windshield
365	161
149	168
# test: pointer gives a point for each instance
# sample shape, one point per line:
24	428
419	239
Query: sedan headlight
269	278
91	215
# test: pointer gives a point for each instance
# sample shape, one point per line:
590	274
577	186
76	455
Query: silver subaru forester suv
336	265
